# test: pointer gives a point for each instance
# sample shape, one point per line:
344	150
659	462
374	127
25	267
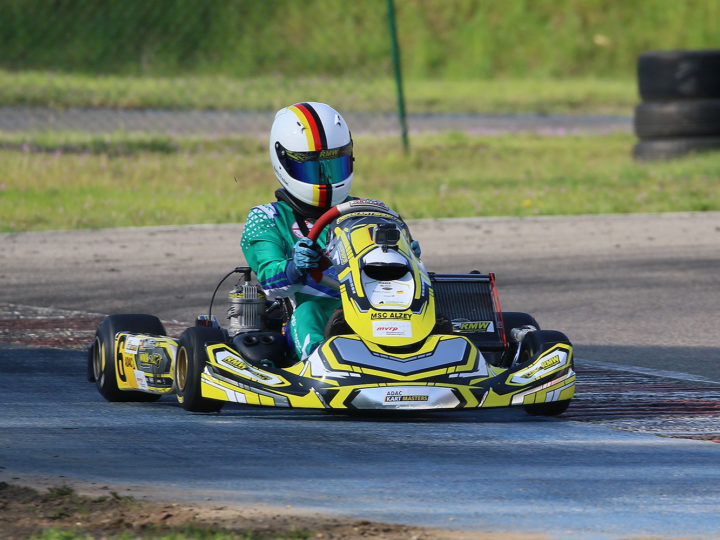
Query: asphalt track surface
638	295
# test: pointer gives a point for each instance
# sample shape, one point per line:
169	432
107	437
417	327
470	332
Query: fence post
398	75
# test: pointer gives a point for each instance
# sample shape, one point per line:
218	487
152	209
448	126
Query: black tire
104	359
533	344
667	75
189	365
514	319
699	118
674	148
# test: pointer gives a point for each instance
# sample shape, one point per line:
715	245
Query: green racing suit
271	231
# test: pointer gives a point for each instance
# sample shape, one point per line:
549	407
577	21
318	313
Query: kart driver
311	152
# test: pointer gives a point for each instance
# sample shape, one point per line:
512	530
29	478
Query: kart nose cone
405	397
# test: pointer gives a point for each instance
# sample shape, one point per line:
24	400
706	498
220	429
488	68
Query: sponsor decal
371	202
530	374
362	213
385	315
389	294
329	153
392	329
154	359
141	380
406	397
234	363
131	345
550	361
473	326
296	229
554	361
395	396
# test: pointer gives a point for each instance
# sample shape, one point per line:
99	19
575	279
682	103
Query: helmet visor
319	167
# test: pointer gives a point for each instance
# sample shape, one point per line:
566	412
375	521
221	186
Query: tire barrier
680	109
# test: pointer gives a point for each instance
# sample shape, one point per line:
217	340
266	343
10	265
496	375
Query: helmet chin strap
305	210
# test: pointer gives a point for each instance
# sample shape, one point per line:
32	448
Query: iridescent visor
319	167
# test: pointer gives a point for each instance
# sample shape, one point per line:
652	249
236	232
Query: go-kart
405	339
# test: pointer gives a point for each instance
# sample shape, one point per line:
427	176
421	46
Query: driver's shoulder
264	211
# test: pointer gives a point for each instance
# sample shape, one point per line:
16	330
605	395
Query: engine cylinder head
247	304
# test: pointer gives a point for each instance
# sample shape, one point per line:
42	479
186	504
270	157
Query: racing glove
304	257
415	246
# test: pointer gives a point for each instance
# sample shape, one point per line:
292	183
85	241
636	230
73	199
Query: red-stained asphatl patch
632	401
56	328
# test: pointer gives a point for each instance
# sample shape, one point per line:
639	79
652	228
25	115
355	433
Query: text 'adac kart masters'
405	339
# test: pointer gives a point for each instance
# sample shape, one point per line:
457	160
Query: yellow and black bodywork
410	340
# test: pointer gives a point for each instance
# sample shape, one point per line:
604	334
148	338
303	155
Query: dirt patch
25	512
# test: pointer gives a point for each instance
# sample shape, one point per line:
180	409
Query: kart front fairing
385	290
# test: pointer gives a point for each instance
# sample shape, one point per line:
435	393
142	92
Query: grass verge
123	181
62	514
508	95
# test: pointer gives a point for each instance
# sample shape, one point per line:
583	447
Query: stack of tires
680	109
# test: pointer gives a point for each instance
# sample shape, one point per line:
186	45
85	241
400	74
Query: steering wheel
342	209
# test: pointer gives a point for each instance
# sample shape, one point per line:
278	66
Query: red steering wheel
342	209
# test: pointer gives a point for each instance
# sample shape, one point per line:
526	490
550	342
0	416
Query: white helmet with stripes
311	152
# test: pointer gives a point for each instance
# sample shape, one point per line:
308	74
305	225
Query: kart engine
247	305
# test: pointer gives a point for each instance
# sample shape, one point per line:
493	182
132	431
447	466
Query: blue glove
304	256
415	246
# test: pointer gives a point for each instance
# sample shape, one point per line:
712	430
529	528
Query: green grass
505	95
451	175
449	39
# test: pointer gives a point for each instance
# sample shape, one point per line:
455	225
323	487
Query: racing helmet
311	152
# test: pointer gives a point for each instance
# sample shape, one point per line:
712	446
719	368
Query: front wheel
533	344
189	365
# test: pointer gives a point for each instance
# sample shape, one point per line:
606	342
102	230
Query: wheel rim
181	369
98	359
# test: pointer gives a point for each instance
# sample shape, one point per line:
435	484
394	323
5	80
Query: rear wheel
189	365
533	344
105	361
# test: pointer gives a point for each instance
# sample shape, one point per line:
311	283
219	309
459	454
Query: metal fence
191	66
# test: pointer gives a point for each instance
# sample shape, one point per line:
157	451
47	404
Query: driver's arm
268	255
